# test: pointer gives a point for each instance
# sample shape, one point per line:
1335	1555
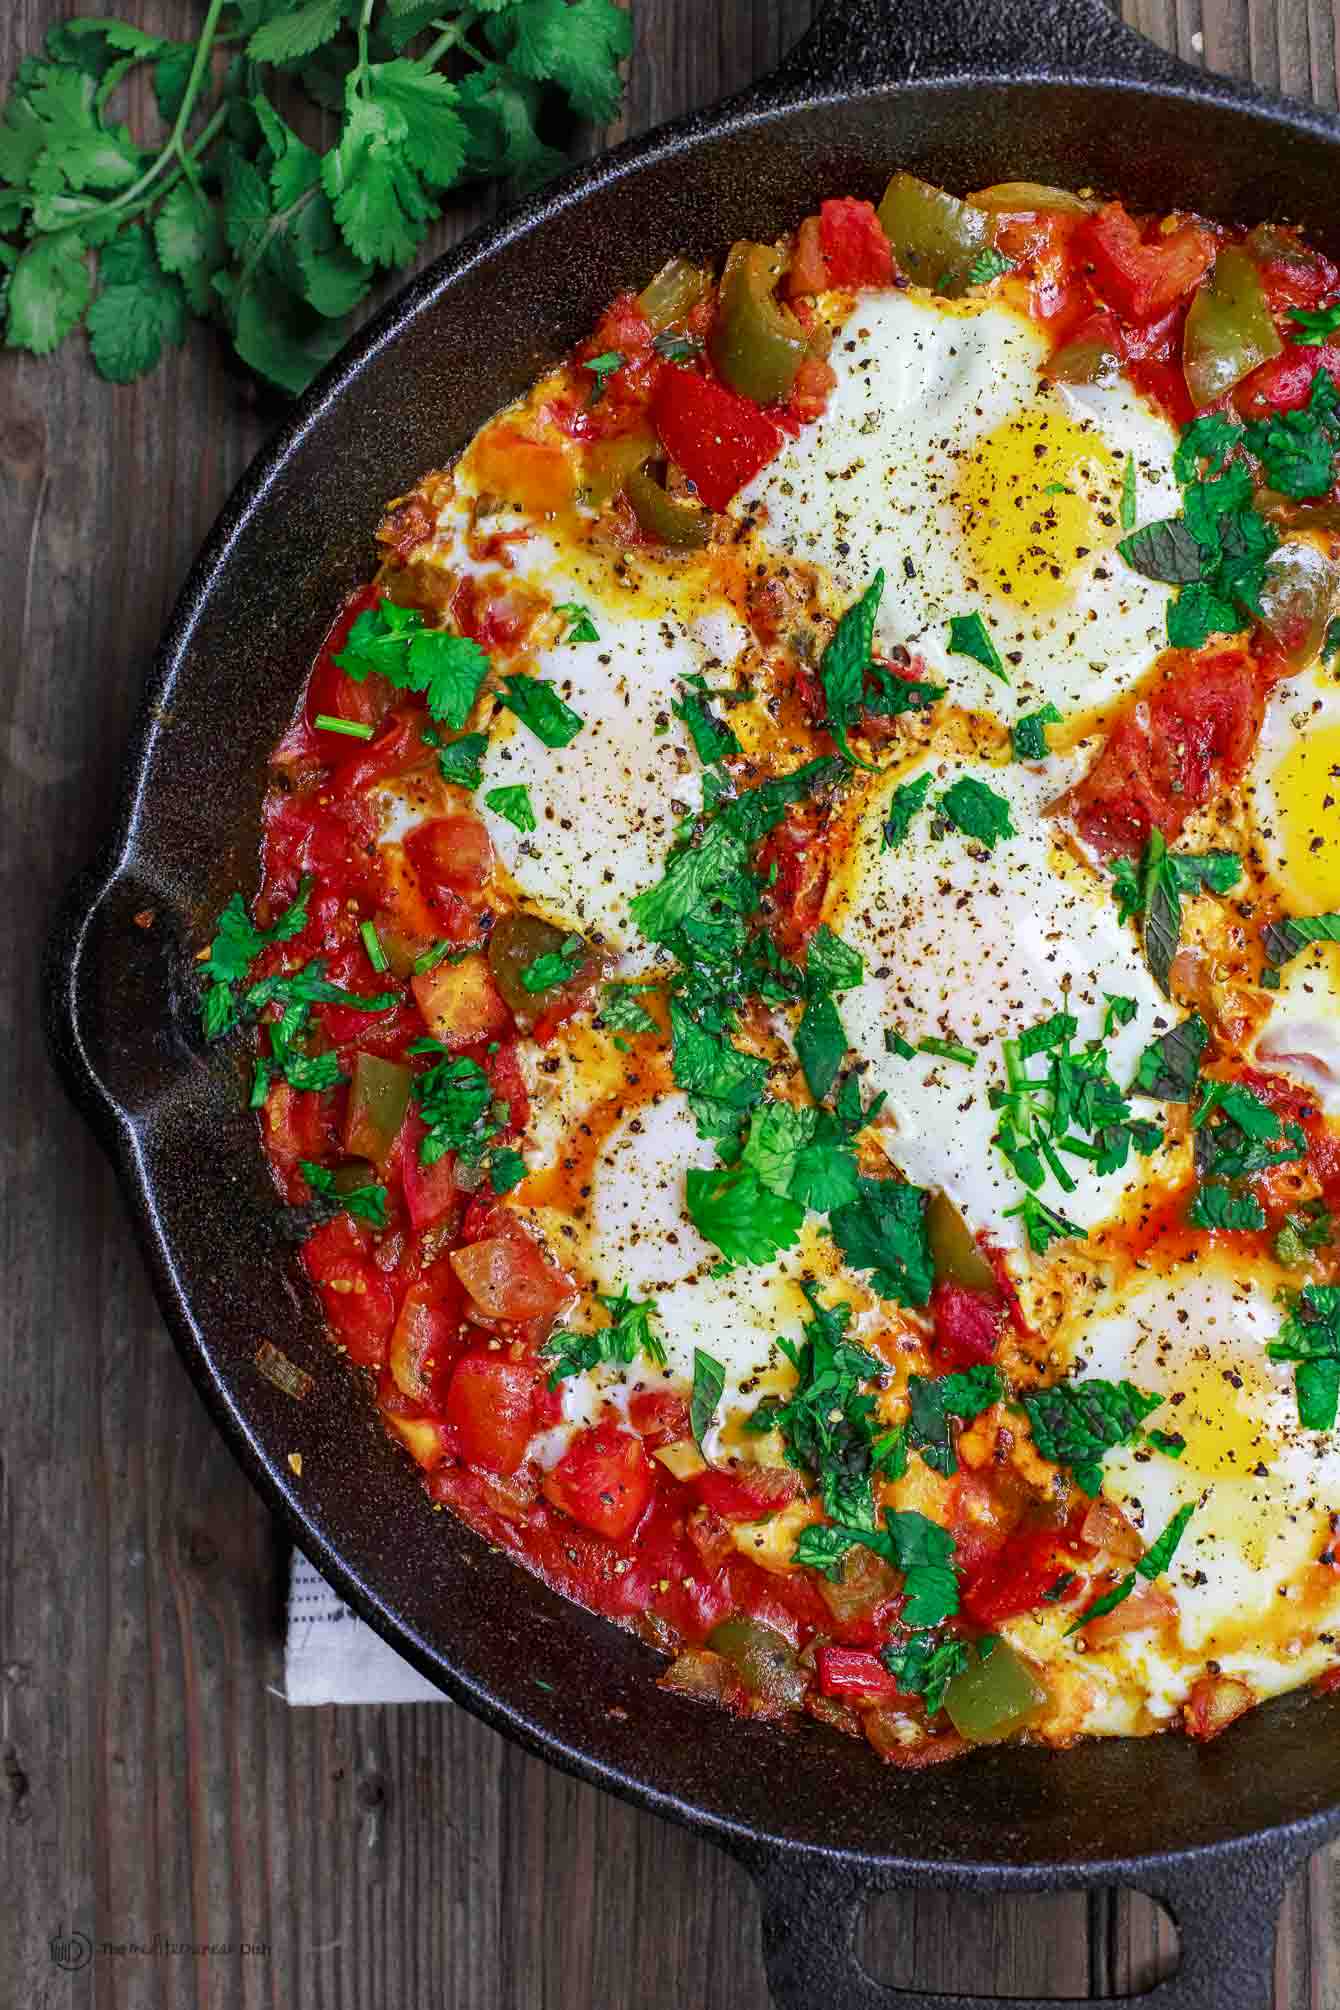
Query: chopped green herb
1297	449
731	1207
628	1334
1310	1337
507	1169
1300	1235
1283	940
949	1050
1171	1443
830	966
977	811
602	368
969	636
845	662
932	1403
1056	1592
393	642
236	945
428	959
353	729
924	1666
580	625
988	265
512	802
377	956
459	760
709	1379
1075	1423
622	1010
538	706
555	967
904	804
1042	1224
367	1202
1153	890
712	739
1028	735
1128	509
1151	1565
883	1230
1169	1067
894	1043
1315	325
827	1420
1219	1207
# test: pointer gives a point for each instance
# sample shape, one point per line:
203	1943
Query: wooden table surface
152	1780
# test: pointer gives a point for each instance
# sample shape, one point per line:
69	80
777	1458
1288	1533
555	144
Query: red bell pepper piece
718	438
855	1673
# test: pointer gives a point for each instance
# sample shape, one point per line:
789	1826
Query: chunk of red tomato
509	1276
431	1191
747	1492
603	1481
490	1407
1142	280
1017	1578
454	852
358	1301
854	246
967	1323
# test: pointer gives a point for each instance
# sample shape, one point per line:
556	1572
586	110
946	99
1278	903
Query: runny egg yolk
1306	817
1029	499
1225	1439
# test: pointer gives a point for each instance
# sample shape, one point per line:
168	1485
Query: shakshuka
794	982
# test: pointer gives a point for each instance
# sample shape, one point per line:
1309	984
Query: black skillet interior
966	95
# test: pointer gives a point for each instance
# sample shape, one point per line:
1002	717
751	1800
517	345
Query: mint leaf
844	663
709	1379
1285	939
884	1231
1074	1423
622	1011
513	803
977	811
969	636
904	804
538	706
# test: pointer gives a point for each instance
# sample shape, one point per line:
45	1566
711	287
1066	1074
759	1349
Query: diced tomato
796	896
398	745
1285	382
508	1274
490	1408
332	691
460	1003
967	1323
854	246
453	851
1197	734
431	1192
1292	273
745	1493
426	1337
297	1124
357	1299
1142	279
718	438
1215	1702
857	1673
503	1068
496	618
603	1481
658	1417
1015	1579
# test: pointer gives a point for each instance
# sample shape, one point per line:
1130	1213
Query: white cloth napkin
330	1656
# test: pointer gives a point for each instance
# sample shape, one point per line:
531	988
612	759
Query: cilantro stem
172	149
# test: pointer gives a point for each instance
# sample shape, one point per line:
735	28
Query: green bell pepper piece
935	237
756	343
1229	329
686	526
993	1697
378	1098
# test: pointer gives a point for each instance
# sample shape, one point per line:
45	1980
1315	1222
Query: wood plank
151	1780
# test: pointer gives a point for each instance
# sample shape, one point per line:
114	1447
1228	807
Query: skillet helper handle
860	44
1225	1907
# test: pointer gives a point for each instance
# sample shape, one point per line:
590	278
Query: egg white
933	460
974	946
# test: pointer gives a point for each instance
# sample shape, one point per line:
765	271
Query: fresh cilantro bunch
227	212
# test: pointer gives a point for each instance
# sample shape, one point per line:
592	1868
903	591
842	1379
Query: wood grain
152	1781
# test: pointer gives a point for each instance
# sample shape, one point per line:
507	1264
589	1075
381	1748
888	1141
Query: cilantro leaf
1171	1443
904	804
623	1012
512	802
821	1041
777	1134
367	1202
969	636
236	945
988	265
924	1666
455	1100
1028	735
392	642
709	1379
827	1420
629	1333
1315	325
1074	1423
459	760
555	967
47	294
733	1209
924	1552
538	706
977	811
1219	1207
602	368
883	1230
1297	449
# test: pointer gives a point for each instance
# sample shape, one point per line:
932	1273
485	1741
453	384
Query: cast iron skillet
965	94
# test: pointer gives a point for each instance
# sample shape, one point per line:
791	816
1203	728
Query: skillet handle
1225	1906
861	44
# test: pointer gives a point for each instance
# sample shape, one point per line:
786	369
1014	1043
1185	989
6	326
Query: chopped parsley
1219	1207
969	636
236	945
988	265
1171	1443
394	642
537	705
629	1333
1074	1423
1297	449
555	967
602	368
622	1010
1042	1224
1217	550
459	760
907	800
827	1421
731	1207
580	625
1028	735
461	1114
1315	326
512	802
830	967
1301	1234
924	1666
977	811
368	1202
883	1230
1310	1337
